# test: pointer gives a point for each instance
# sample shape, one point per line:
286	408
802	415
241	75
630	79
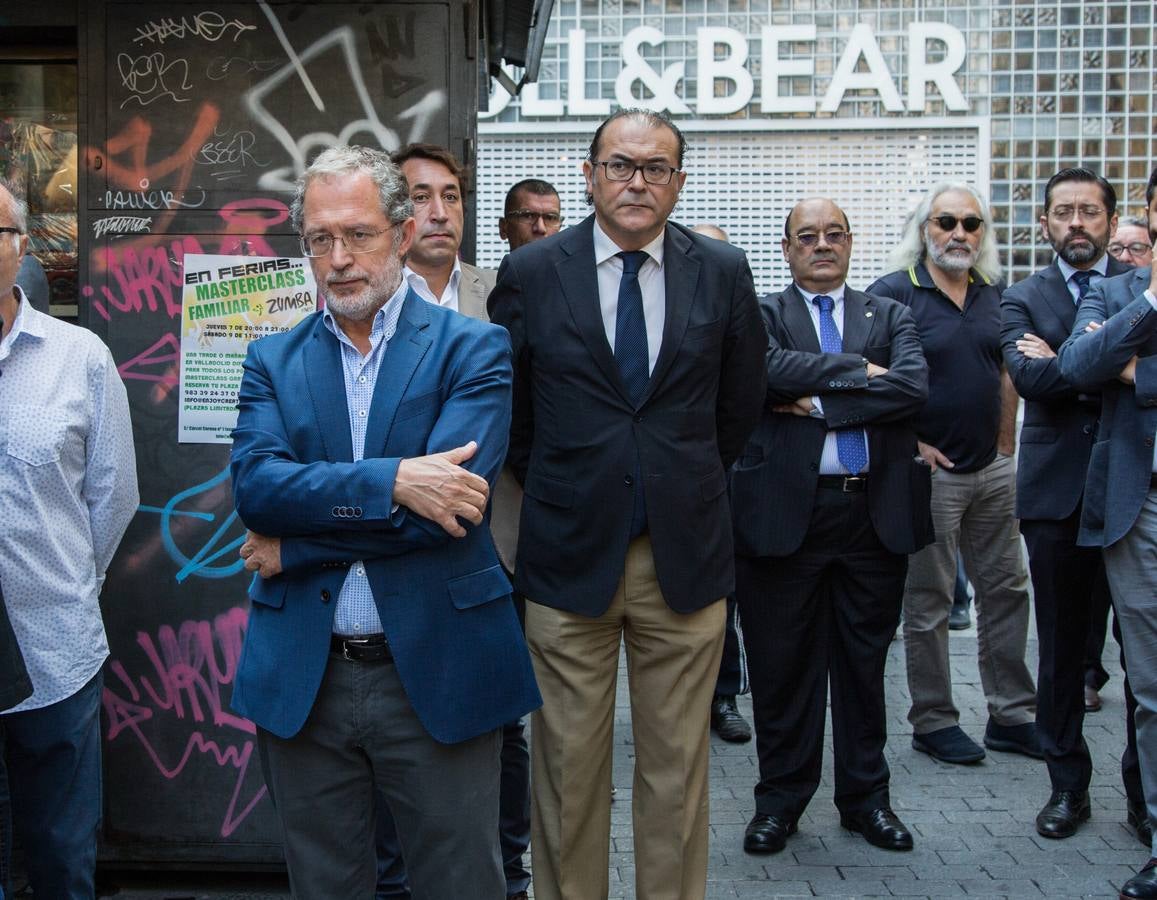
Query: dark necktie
1081	280
850	443
631	328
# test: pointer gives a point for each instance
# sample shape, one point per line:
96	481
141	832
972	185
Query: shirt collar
606	249
422	287
837	294
380	317
29	321
921	277
1100	267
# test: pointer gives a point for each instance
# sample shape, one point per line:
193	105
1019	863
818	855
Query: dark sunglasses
949	223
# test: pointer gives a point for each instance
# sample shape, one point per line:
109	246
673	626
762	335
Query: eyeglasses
622	170
812	238
1065	213
948	223
8	229
529	217
1135	249
355	240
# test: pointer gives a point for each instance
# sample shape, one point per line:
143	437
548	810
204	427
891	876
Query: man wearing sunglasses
947	272
532	211
1060	426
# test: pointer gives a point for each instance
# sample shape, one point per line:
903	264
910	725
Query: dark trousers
50	765
1095	675
1068	584
732	678
828	611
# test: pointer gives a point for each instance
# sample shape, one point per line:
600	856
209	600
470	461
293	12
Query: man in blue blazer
638	375
382	646
1113	349
1060	422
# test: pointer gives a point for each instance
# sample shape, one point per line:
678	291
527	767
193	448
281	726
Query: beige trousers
672	663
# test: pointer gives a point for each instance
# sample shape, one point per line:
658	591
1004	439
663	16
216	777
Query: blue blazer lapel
321	372
1056	295
402	355
580	287
680	279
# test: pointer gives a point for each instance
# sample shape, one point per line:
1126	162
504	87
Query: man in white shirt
69	472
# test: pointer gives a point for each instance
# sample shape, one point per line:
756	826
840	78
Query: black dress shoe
1062	814
1139	821
880	828
767	834
1143	884
727	722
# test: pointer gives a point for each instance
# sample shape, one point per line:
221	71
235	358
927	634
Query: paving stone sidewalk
973	825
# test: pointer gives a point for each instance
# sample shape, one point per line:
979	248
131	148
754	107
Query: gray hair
1135	221
393	191
911	248
17	208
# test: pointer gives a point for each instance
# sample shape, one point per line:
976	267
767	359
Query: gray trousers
444	797
975	513
1131	565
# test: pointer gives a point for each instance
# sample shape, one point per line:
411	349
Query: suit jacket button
1148	442
357	512
1088	429
814	466
628	480
324	595
638	418
335	512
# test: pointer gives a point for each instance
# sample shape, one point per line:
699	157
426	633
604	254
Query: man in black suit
828	499
1060	425
639	374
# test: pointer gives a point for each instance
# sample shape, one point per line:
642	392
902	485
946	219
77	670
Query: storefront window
38	153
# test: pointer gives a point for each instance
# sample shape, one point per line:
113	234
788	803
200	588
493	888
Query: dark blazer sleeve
743	377
505	306
792	374
1034	379
1089	359
899	392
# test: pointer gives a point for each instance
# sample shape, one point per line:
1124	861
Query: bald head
711	231
817	245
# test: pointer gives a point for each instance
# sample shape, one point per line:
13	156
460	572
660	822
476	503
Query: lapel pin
868	314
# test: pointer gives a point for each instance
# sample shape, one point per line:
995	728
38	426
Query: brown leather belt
368	649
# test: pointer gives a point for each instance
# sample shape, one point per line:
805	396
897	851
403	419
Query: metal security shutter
747	181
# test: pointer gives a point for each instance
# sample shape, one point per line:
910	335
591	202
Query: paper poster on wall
227	302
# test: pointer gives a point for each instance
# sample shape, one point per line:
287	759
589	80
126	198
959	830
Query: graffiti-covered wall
197	119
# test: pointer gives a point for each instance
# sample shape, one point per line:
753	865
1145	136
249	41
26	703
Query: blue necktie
631	328
634	362
850	443
1082	280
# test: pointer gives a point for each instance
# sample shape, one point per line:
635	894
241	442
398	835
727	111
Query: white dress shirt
449	296
609	267
68	489
1100	267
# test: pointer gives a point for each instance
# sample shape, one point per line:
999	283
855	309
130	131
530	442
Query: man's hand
874	370
1034	347
262	554
1094	326
801	406
436	487
1128	375
934	457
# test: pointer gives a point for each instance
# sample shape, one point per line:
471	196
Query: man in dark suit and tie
638	376
1060	424
1113	349
828	499
382	648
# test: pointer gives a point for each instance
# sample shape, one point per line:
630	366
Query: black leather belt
849	484
368	649
1153	481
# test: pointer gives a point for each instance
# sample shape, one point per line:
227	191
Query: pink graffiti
190	665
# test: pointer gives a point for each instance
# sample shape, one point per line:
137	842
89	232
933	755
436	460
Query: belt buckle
356	643
854	481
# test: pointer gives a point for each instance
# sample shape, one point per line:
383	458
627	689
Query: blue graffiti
201	562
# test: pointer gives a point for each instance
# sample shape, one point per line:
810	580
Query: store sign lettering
723	83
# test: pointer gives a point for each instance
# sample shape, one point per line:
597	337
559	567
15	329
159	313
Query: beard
1075	256
363	304
949	257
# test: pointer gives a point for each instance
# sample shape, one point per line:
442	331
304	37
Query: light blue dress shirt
68	489
356	613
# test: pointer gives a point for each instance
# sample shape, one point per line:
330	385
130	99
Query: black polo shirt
962	346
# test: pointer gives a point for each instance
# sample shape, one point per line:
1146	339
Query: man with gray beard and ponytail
948	273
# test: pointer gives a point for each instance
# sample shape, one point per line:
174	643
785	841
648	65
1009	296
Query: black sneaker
727	722
949	745
1013	739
